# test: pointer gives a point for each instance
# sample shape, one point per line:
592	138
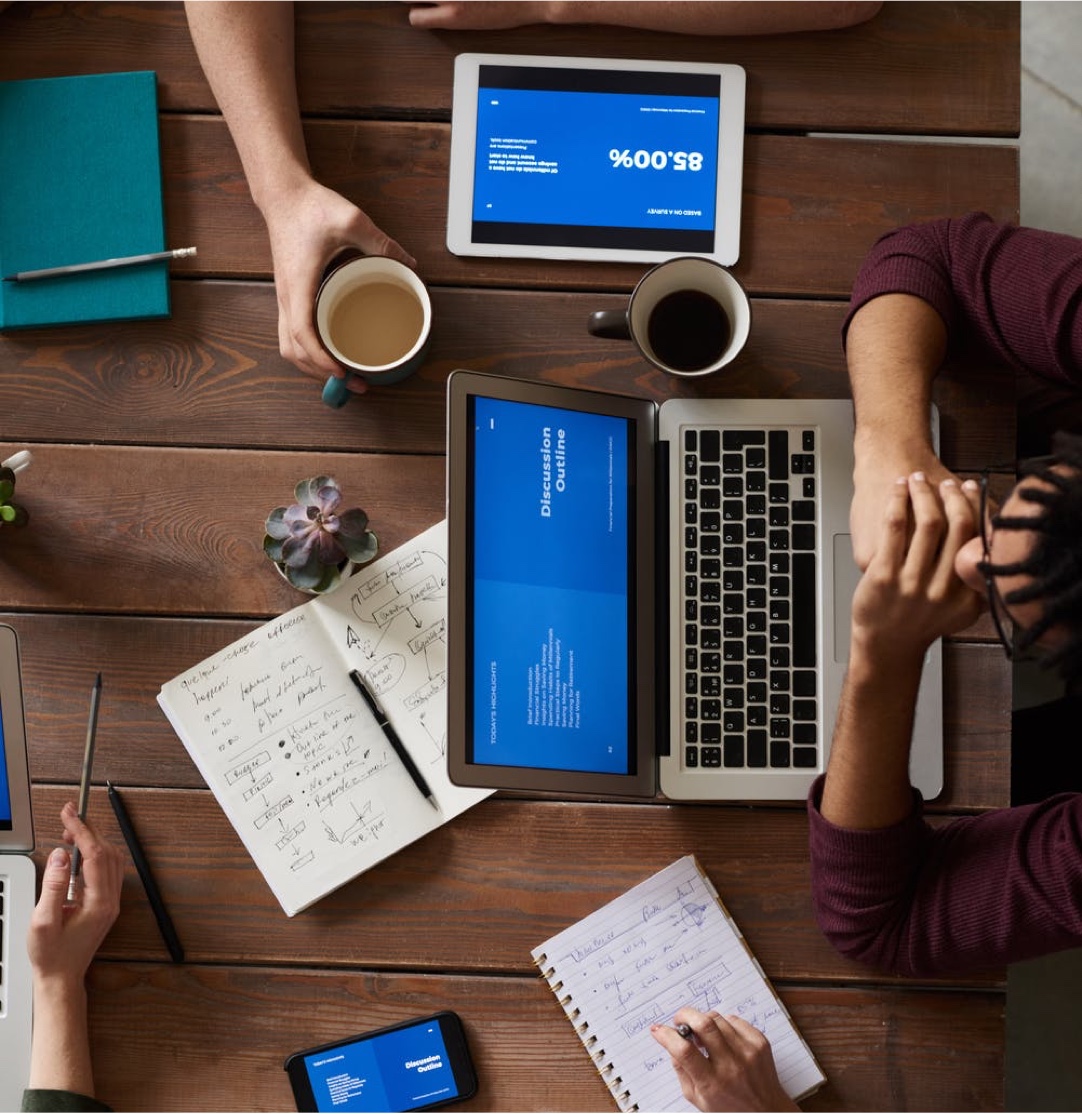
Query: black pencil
161	914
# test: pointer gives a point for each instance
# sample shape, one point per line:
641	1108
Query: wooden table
160	446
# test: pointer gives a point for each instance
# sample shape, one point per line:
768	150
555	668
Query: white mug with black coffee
687	316
374	316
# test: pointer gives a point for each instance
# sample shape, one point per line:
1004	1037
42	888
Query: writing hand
308	228
63	938
728	1065
910	594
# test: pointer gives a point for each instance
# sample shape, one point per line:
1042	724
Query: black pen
84	783
161	914
392	737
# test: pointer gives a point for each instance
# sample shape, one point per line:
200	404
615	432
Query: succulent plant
11	514
312	540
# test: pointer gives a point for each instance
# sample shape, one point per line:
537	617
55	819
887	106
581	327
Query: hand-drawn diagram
407	598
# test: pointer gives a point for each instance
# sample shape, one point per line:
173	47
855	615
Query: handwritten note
666	943
294	757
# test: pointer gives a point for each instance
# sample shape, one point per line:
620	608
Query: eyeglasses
1001	617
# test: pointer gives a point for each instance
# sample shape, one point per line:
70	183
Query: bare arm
909	596
732	18
895	346
247	53
62	943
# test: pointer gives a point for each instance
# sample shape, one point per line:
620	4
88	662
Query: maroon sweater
1005	885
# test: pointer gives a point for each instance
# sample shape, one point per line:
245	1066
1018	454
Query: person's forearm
702	18
894	348
60	1051
867	781
247	54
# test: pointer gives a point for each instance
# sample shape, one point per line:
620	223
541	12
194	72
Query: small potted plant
312	542
11	514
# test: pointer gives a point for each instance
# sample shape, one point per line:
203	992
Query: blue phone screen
401	1070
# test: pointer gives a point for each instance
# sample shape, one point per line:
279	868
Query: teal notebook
81	180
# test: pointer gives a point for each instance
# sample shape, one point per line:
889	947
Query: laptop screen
5	790
551	624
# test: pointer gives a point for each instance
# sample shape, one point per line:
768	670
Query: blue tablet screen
596	158
551	625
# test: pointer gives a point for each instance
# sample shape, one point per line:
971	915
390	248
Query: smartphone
415	1065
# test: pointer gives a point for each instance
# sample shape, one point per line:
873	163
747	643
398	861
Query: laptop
644	597
17	880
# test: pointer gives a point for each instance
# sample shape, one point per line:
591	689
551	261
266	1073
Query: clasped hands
911	593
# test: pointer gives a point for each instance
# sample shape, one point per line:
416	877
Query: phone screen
406	1067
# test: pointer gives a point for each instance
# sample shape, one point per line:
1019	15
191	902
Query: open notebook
668	942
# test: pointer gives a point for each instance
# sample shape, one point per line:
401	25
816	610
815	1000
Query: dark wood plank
228	1029
492	907
794	240
946	68
138	747
180	531
211	375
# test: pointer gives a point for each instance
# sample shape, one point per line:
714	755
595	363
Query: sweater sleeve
36	1099
975	893
1014	294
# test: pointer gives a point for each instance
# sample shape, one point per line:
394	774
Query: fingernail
69	808
949	483
918	476
902	480
971	485
59	857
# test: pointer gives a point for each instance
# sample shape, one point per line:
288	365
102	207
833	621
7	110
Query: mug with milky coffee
374	316
687	316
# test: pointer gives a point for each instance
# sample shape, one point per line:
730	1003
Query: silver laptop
645	597
17	880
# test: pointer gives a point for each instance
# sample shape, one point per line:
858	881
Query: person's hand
64	938
910	594
728	1065
308	228
490	16
877	467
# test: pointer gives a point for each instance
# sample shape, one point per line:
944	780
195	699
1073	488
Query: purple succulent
312	539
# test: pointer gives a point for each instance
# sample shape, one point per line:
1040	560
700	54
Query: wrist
878	658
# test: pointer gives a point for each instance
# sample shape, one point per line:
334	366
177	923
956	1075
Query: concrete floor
1044	996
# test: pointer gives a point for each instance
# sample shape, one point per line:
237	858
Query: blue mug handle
336	392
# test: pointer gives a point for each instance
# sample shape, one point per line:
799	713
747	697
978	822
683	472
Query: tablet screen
551	623
595	159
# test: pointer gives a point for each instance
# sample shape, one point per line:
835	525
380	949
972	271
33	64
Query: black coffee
688	330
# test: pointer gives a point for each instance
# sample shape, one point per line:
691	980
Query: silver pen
100	265
84	783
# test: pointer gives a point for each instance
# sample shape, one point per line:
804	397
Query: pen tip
97	680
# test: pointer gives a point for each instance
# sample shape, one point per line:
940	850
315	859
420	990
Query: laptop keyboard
750	509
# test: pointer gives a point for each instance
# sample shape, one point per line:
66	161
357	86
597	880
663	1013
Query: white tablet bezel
464	140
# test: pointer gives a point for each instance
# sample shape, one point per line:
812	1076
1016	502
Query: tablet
595	159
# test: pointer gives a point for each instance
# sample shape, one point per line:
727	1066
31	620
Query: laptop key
756	692
804	682
757	749
710	444
691	757
734	750
711	757
779	753
804	758
778	454
804	634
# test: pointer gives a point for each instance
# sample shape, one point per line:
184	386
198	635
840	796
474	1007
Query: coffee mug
687	316
374	316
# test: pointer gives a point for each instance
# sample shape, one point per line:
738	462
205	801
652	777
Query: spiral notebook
666	943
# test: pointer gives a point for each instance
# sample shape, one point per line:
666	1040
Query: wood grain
211	374
499	879
930	1050
945	68
136	745
812	208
